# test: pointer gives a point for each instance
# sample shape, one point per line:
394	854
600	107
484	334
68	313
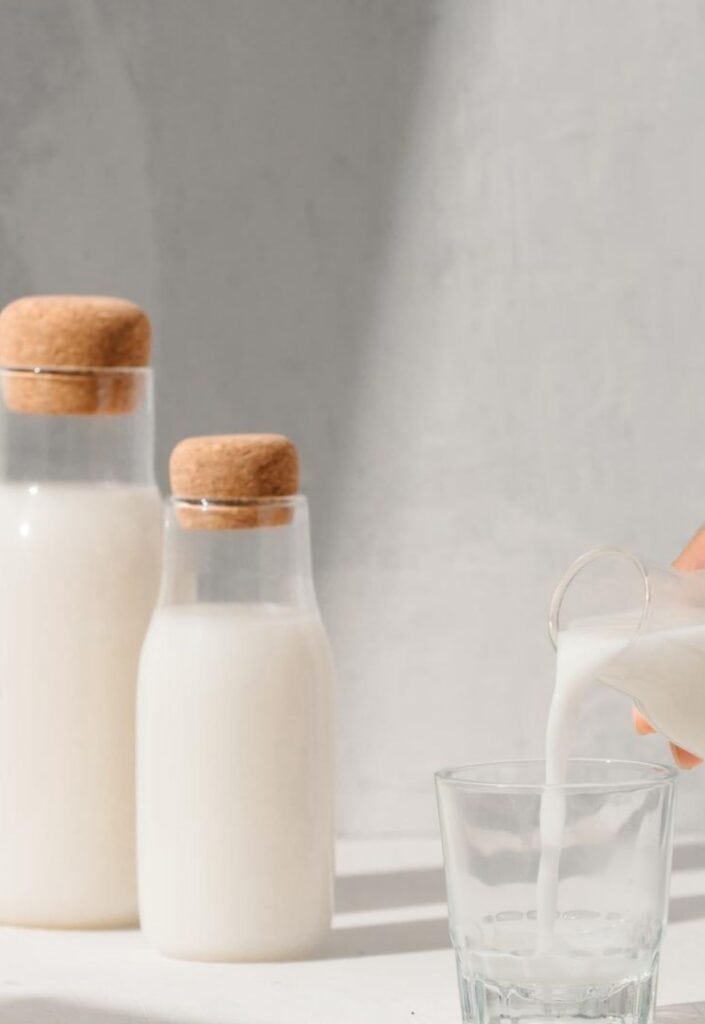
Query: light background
455	249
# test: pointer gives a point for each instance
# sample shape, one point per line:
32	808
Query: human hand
692	557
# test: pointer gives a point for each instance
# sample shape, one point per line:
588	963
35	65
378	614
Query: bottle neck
246	563
111	440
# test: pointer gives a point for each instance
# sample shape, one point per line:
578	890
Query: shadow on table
60	1011
390	937
686	908
393	889
689	857
681	1013
389	889
431	934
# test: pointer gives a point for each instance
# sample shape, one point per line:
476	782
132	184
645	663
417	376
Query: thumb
683	758
692	556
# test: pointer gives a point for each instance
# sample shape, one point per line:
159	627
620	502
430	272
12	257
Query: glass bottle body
80	547
235	831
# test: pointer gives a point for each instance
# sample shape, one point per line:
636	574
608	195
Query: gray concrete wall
455	249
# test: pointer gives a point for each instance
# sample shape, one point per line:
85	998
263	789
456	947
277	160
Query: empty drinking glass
598	954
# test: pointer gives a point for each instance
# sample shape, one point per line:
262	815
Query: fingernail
642	726
685	760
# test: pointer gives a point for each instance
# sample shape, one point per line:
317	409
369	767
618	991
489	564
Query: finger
641	724
692	556
683	758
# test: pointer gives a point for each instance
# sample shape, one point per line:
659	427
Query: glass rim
660	775
573	571
75	371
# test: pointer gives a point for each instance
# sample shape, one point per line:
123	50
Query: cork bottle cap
237	474
92	339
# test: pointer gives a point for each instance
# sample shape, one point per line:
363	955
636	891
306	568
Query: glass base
618	1000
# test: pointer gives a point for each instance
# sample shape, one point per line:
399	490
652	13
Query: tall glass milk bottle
234	750
80	552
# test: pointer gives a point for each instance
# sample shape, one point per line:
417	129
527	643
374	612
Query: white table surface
388	960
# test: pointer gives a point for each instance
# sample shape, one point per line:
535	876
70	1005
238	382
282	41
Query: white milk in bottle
80	540
234	717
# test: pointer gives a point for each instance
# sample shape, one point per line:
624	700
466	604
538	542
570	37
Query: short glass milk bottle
80	553
235	829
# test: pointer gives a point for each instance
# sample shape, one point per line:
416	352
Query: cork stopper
243	474
79	347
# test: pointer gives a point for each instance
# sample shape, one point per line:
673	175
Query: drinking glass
598	955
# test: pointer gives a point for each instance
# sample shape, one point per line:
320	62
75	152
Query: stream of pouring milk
664	670
579	655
